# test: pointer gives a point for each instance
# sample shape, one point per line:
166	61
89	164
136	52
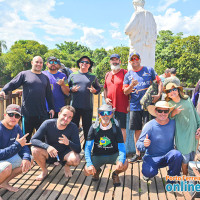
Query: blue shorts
15	161
188	157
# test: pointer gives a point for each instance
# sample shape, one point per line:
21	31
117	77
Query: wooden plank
128	183
118	194
143	185
135	182
152	189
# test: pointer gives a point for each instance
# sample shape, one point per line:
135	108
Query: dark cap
114	56
13	108
58	61
173	70
91	62
106	107
51	58
134	54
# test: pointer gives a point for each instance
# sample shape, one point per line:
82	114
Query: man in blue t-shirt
58	82
157	140
136	83
14	154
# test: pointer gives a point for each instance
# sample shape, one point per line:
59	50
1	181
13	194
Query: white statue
142	33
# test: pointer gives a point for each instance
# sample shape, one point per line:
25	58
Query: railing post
1	107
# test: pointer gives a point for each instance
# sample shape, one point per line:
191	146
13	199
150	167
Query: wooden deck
57	186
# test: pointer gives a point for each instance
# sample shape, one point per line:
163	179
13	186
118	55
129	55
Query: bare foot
9	187
67	171
42	175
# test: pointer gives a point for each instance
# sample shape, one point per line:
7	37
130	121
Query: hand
22	140
3	94
133	82
63	140
119	166
75	88
92	89
61	81
147	141
92	170
155	98
108	101
19	92
51	113
177	110
52	151
26	165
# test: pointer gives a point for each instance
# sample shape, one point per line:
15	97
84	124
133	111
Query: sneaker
146	178
116	181
96	176
135	158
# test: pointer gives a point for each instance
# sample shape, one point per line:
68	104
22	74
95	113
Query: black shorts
121	118
138	119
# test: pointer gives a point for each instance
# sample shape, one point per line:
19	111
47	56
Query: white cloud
167	3
117	35
60	3
92	37
108	48
114	24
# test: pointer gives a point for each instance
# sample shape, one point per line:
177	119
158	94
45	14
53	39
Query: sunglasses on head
51	62
103	113
17	116
161	111
171	90
132	59
86	62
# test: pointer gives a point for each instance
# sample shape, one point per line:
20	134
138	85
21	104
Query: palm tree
2	46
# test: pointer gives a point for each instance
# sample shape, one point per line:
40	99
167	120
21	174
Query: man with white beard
114	94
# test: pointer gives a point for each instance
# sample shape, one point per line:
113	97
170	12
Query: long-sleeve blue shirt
9	146
161	136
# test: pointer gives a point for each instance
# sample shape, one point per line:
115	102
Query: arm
96	85
122	152
64	85
88	149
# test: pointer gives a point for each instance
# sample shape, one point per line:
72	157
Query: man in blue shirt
157	140
14	154
106	137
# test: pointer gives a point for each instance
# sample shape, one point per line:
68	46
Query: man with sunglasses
83	84
36	89
113	92
14	154
157	140
58	82
106	138
136	83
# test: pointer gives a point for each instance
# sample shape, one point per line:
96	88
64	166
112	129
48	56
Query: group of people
57	135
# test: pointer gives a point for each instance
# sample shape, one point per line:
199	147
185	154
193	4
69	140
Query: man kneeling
62	142
109	148
14	154
157	138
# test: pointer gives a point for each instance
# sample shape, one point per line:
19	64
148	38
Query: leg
73	159
185	169
29	126
124	134
40	156
76	118
136	137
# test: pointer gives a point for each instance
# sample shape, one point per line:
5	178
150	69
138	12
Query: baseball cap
134	54
115	56
13	108
52	58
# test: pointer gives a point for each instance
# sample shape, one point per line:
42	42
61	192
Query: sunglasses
132	59
103	113
17	116
171	90
86	62
161	111
51	62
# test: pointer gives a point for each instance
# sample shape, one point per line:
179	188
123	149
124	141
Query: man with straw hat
157	139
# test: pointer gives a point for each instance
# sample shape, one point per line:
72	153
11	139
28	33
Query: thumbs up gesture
147	141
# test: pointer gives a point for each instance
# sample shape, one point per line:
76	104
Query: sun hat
106	107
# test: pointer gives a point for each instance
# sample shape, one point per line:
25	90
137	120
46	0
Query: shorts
98	161
15	161
188	157
138	119
121	118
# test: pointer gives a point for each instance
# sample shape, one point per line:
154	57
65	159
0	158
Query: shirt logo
146	74
104	141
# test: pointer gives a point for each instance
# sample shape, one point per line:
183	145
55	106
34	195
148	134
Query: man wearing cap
62	142
136	82
14	154
173	78
36	89
165	75
58	82
83	84
113	91
105	137
157	140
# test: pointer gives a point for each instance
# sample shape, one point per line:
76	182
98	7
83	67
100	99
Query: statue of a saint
142	33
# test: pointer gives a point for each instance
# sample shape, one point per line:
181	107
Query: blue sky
94	23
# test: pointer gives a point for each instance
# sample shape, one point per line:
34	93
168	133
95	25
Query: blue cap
134	54
115	56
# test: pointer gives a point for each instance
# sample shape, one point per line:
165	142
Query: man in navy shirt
157	140
61	144
14	154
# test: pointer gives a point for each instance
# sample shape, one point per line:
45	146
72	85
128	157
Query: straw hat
159	104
